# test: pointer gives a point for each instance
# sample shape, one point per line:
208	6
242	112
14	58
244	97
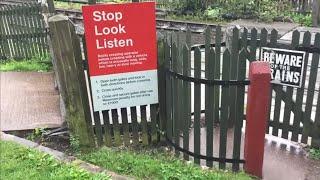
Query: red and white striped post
257	116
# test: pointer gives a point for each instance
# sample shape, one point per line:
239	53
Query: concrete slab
28	100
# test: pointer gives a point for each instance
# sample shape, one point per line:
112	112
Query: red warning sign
122	54
120	37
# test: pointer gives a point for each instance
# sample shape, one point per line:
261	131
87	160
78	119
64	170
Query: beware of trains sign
286	65
122	54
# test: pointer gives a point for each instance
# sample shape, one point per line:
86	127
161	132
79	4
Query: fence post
162	85
51	8
66	48
257	112
316	13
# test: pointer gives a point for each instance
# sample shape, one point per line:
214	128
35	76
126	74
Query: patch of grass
39	64
154	164
314	153
18	162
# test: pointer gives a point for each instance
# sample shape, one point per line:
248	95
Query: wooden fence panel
288	107
300	92
145	135
107	128
217	73
169	105
225	108
240	108
23	32
125	126
175	100
209	95
134	125
316	128
307	124
197	104
277	106
186	98
233	74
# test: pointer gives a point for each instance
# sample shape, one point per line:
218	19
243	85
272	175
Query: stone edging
61	156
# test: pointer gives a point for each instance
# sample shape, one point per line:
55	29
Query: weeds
314	153
36	134
39	64
75	143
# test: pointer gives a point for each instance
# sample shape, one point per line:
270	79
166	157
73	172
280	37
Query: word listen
108	43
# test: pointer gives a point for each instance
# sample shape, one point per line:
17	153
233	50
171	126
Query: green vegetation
266	10
18	162
153	164
68	5
75	143
39	64
222	11
36	134
314	153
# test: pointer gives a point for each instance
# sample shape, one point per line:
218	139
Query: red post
257	112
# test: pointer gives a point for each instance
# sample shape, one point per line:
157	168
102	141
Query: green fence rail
22	31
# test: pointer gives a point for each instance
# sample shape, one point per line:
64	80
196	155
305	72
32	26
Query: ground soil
59	142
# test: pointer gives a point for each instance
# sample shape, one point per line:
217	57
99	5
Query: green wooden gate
23	33
197	105
295	112
205	93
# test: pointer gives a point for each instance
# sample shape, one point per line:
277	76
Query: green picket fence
201	106
22	31
196	109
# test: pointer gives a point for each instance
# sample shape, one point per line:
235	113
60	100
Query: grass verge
153	164
18	162
39	64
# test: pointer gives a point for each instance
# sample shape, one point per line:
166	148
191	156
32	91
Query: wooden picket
23	33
